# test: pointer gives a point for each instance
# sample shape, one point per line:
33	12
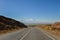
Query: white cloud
31	20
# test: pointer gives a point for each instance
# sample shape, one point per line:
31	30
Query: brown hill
56	25
8	23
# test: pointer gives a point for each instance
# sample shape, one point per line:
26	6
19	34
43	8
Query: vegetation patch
52	28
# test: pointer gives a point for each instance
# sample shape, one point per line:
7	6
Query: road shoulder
49	34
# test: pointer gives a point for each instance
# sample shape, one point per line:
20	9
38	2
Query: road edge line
50	36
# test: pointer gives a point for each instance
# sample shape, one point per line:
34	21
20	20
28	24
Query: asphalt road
26	34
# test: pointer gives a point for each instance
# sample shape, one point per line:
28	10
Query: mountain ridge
9	23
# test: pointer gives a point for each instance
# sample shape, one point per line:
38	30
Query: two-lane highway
26	34
36	34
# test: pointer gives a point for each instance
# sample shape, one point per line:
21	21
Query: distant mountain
8	23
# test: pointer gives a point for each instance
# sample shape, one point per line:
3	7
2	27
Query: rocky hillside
56	25
8	23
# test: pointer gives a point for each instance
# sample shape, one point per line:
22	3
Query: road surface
26	34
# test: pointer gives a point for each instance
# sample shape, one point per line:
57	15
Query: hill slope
8	23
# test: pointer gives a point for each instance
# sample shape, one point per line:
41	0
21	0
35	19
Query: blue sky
31	11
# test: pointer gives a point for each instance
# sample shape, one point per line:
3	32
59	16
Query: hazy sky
31	10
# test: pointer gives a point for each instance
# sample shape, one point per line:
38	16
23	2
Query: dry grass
49	29
8	31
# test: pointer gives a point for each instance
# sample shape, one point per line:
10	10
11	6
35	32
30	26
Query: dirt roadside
50	33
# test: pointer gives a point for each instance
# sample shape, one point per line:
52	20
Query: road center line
25	34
